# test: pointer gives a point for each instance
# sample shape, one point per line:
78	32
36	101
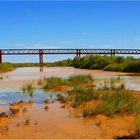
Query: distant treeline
106	63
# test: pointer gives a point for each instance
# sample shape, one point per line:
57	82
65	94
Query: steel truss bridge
77	52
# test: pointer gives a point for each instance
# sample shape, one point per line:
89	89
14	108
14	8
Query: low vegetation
54	82
74	80
111	100
5	67
62	63
107	102
28	89
119	102
106	63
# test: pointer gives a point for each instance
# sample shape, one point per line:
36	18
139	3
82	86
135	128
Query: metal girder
68	51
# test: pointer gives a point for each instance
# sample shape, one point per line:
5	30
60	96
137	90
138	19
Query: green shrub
5	67
114	67
133	66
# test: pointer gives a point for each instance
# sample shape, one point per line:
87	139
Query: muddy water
21	76
55	122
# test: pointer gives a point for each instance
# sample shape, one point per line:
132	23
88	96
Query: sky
68	24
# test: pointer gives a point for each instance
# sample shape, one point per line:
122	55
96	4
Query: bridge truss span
68	51
77	52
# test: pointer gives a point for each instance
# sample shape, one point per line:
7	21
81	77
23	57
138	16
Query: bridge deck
68	51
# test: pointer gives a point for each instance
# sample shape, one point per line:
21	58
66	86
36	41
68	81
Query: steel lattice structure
68	51
77	52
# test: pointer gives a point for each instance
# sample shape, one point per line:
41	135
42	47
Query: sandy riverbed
56	121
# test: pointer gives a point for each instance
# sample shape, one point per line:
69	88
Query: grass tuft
28	88
76	80
117	103
54	82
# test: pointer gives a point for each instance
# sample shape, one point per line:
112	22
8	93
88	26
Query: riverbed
56	121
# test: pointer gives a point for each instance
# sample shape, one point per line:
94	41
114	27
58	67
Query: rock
62	106
14	110
4	114
46	101
46	107
61	98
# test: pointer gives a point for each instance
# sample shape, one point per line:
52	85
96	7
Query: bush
5	67
114	67
133	66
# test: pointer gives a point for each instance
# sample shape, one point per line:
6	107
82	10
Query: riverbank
93	62
106	63
6	67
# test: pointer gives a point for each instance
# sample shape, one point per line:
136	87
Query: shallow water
56	122
21	76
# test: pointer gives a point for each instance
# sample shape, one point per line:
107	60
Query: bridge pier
40	57
78	54
112	52
0	56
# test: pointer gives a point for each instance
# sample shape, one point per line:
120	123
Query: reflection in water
41	68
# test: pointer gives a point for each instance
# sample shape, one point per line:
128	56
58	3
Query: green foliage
117	103
75	80
114	103
54	82
114	67
5	67
118	63
115	83
62	63
83	95
92	62
88	110
26	65
133	66
28	89
137	121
